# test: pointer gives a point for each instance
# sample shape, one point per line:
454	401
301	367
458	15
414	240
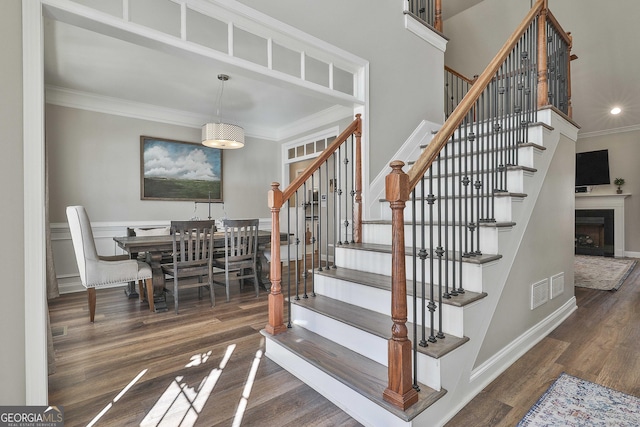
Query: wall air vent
539	293
557	285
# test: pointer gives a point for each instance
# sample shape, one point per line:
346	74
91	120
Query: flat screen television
592	168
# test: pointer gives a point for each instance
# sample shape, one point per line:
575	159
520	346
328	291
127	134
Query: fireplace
594	233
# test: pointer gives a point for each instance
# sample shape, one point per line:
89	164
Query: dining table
154	247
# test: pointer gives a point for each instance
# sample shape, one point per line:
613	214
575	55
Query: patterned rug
603	273
571	401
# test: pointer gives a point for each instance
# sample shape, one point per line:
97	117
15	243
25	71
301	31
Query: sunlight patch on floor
115	399
242	405
180	404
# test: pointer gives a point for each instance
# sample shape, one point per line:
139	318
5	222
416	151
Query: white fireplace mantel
607	201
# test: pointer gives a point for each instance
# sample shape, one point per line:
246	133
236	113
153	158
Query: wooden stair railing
399	185
277	199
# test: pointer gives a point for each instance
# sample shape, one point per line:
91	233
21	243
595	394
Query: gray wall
546	249
12	353
94	161
406	73
624	152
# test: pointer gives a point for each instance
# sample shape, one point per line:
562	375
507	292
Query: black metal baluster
346	195
440	250
423	256
305	269
431	306
297	234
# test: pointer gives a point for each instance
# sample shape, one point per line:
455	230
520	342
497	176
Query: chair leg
255	280
141	290
175	290
149	284
91	293
226	280
212	295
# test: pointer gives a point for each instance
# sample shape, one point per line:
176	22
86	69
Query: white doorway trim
35	335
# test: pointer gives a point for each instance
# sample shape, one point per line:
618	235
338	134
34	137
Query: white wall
12	314
95	161
406	76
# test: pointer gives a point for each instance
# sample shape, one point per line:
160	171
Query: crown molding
605	132
70	98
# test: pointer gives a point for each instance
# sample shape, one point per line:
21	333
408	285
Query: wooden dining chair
240	250
102	271
192	257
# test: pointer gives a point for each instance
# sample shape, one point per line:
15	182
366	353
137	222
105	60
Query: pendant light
222	135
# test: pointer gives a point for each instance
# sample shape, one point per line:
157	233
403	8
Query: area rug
603	273
572	401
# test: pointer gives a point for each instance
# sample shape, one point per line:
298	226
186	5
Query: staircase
338	339
350	317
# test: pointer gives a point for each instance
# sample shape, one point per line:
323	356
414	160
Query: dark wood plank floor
599	342
183	356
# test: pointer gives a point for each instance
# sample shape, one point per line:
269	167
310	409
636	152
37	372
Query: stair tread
381	281
376	247
491	224
367	377
496	193
483	171
374	323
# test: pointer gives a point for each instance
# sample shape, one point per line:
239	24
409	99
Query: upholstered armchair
101	271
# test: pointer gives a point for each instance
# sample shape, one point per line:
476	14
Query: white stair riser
381	234
354	339
380	263
379	300
355	404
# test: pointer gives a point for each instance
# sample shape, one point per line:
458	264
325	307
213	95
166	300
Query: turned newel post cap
274	198
397	183
397	166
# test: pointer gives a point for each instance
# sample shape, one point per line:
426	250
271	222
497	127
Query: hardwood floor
181	358
600	342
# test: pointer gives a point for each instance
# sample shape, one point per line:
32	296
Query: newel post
543	83
399	391
357	226
437	21
276	299
569	59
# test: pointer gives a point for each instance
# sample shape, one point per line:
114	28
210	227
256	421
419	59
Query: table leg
159	297
130	291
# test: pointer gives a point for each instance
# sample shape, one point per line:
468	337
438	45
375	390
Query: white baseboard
630	254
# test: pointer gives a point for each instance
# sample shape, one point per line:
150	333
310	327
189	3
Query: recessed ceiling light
616	110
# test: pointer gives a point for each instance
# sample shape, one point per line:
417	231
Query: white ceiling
607	73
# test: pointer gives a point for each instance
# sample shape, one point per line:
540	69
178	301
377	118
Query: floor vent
539	293
59	331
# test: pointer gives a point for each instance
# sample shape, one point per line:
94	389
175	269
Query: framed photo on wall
178	170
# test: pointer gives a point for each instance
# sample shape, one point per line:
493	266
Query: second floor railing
428	11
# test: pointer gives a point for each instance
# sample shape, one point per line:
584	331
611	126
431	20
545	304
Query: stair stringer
464	383
409	150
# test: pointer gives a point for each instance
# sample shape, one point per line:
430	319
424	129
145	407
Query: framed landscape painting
177	170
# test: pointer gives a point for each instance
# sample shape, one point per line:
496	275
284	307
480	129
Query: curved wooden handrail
354	128
442	137
561	32
460	76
